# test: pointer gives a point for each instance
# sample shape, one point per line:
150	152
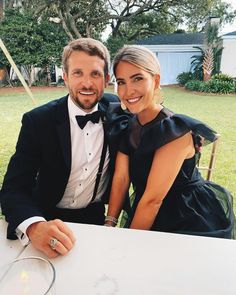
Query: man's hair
91	47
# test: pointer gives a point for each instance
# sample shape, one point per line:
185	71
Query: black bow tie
93	117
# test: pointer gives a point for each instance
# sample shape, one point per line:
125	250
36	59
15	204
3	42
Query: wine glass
28	276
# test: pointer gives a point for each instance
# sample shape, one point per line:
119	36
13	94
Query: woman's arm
166	164
120	185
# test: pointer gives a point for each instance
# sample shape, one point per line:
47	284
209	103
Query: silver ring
53	243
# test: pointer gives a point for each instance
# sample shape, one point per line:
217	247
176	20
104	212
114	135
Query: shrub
218	86
184	77
194	85
212	86
223	77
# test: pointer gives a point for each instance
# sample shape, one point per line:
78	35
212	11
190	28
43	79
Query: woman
158	153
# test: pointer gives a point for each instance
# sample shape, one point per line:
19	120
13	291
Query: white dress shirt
86	149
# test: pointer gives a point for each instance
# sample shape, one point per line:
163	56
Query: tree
196	13
192	12
1	9
127	18
208	62
77	18
145	25
31	42
132	20
196	64
212	51
82	18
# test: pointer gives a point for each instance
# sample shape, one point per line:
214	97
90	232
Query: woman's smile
134	100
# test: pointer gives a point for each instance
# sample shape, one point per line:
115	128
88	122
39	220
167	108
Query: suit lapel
63	129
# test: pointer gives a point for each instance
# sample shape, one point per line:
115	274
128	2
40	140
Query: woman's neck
149	114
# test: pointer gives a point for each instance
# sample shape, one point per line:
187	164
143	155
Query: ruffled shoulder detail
164	130
117	121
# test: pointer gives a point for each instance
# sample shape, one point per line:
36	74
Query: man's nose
86	82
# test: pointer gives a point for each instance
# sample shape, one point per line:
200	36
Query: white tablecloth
112	261
9	250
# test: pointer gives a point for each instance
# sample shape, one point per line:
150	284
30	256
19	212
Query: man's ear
157	81
107	79
65	77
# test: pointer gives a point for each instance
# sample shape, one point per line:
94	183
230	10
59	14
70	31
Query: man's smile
82	92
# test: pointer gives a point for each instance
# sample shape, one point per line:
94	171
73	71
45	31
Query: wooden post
21	78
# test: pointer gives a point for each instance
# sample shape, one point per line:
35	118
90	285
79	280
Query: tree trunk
48	75
28	70
206	76
1	9
2	74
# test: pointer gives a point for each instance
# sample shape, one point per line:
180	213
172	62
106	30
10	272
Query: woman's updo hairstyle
139	56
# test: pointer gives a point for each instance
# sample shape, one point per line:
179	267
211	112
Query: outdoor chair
211	162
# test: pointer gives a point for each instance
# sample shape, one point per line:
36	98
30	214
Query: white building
228	59
174	52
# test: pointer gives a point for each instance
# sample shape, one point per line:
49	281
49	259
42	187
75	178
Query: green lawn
216	111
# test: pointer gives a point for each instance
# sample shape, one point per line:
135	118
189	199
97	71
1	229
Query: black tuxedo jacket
39	170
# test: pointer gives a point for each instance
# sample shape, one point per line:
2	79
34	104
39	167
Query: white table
9	250
112	261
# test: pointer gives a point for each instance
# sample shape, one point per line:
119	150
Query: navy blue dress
192	205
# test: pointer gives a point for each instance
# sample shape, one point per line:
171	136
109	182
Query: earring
158	96
122	105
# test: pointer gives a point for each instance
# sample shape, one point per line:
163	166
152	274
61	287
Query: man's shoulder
49	107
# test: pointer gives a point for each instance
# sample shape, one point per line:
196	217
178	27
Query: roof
230	34
174	39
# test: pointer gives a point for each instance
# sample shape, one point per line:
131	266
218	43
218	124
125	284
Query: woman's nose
129	91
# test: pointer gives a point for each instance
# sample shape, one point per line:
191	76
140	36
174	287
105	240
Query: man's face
85	79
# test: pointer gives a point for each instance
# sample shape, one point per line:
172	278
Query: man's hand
40	234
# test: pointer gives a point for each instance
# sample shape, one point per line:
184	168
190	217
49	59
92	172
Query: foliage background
127	21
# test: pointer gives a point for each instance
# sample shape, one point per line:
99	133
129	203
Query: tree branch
72	21
64	25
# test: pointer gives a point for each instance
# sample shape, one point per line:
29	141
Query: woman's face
136	87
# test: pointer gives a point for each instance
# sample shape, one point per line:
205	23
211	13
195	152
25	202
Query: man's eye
77	74
96	74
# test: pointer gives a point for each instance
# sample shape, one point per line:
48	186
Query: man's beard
83	105
86	107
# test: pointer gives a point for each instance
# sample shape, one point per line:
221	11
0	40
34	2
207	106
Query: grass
12	106
218	111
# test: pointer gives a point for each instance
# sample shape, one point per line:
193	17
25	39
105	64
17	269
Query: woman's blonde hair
142	58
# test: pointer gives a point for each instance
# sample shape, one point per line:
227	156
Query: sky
229	27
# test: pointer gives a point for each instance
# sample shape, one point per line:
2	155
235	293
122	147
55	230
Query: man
53	174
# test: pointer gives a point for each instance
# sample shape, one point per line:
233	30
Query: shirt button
89	154
85	169
87	134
